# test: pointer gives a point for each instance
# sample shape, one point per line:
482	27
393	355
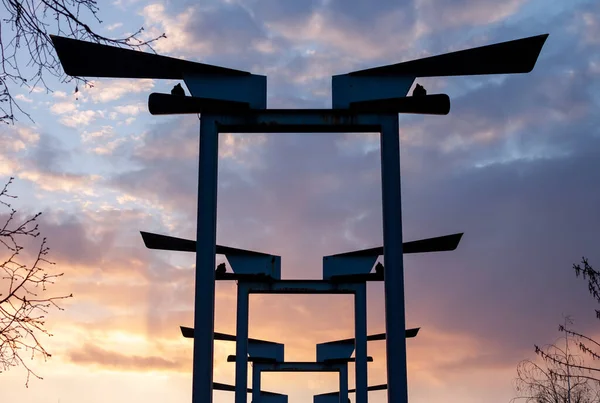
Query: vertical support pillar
241	344
360	343
344	384
206	236
256	375
395	321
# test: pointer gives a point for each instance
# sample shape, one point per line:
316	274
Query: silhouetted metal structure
235	101
344	273
258	351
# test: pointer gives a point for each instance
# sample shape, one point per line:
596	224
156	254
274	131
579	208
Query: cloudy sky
515	165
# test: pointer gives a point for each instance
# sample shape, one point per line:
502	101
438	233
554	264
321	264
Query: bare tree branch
582	346
560	362
23	300
535	384
25	28
549	381
593	277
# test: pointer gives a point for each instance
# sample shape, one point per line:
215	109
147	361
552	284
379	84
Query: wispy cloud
131	109
79	118
89	354
107	90
112	27
23	98
514	166
61	108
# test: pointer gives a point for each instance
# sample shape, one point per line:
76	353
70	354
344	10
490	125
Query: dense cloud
514	165
504	167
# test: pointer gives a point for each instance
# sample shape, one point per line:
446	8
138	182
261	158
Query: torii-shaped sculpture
234	101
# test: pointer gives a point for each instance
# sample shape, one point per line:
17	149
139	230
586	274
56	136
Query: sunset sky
515	166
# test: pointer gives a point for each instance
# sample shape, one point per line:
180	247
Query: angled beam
188	333
511	57
357	265
165	242
439	244
230	388
242	261
410	333
370	389
341	349
87	59
257	349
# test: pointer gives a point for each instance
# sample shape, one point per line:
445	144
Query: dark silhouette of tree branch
583	342
25	26
23	300
548	385
549	381
560	362
582	346
593	278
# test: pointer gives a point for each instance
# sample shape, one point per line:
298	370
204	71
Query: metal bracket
346	89
269	265
251	88
346	265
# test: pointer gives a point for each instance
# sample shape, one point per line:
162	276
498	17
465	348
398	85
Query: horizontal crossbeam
165	104
300	121
300	287
357	278
300	366
437	104
271	361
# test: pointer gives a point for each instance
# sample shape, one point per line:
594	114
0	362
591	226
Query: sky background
515	166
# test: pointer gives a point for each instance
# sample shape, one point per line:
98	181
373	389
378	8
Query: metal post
567	360
394	268
256	375
206	235
360	340
344	384
241	345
